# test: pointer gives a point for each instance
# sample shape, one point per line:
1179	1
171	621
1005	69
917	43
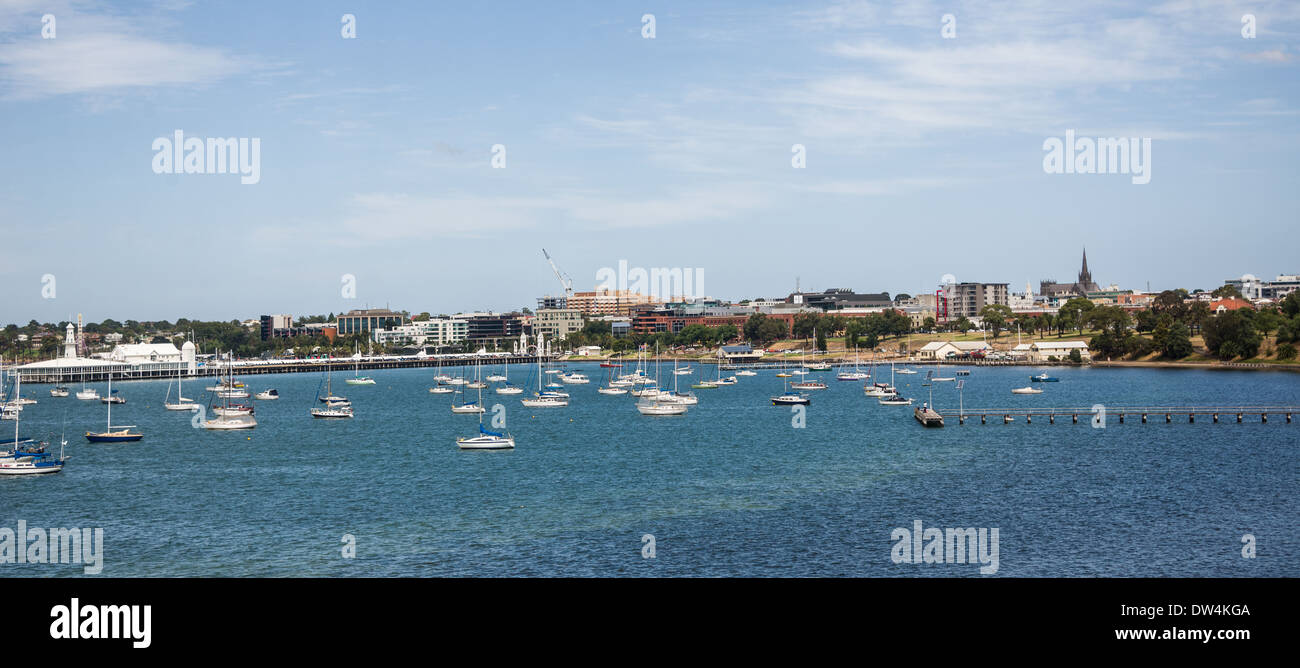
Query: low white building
141	353
938	350
1044	351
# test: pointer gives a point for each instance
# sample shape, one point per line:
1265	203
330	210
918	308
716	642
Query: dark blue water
730	489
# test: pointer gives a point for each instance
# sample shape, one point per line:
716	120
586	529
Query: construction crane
565	281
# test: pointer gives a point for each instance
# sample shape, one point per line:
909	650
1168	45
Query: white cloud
98	54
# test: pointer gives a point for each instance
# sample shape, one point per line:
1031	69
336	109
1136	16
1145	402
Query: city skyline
924	154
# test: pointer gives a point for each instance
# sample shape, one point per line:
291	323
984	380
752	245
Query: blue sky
924	154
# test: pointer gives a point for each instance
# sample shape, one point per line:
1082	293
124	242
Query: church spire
1085	277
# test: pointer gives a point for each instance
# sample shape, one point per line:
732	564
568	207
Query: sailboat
816	366
486	440
790	397
32	459
729	380
938	367
181	403
507	387
658	404
357	378
335	407
227	419
892	397
123	433
86	393
441	385
58	390
677	396
544	399
611	386
857	373
467	406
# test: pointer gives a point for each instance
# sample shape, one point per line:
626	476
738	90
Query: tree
928	324
1173	340
1291	305
1147	320
995	317
804	324
1268	320
821	340
1227	291
1171	303
1232	334
1078	308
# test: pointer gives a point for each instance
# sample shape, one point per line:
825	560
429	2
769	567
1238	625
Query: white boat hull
486	443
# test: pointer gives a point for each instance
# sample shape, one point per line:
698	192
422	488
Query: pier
168	370
1143	414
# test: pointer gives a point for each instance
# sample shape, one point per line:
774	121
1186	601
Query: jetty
169	370
1105	413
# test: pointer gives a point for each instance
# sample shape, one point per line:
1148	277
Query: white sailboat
544	399
357	378
232	421
181	403
86	393
27	458
335	407
486	440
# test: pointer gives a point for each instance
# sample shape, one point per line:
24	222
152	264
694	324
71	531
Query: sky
923	154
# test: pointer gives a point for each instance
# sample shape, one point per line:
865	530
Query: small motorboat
443	389
1027	390
508	389
612	390
894	400
268	395
59	391
1043	378
746	372
809	385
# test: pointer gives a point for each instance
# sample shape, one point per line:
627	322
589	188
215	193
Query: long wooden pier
168	370
1142	413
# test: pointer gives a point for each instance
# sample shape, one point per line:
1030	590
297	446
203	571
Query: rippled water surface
733	488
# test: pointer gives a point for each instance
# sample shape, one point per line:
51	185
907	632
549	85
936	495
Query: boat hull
112	438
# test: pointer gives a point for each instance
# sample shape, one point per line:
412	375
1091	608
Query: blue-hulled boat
1043	378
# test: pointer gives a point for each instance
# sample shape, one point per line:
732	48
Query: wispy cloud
98	54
